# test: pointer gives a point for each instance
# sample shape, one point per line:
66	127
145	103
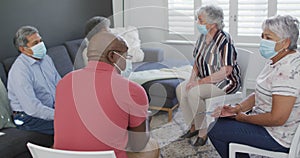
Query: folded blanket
142	77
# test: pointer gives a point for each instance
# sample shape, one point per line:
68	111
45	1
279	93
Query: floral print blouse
282	78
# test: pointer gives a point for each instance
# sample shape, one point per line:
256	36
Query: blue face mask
202	29
128	69
267	48
39	50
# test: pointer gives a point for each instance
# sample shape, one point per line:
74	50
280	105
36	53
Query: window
242	18
181	16
250	17
291	7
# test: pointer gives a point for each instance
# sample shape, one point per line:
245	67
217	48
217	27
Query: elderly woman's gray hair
213	15
96	24
284	27
20	39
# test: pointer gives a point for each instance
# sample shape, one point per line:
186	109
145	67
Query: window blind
245	17
181	16
250	17
291	7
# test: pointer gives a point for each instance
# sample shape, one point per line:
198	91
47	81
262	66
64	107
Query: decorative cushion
131	35
5	110
61	59
3	74
72	47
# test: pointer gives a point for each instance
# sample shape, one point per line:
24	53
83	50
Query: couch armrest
153	54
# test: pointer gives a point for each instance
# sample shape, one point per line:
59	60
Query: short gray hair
213	15
95	24
20	39
284	26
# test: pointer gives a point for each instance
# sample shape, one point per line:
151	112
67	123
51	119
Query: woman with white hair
215	72
275	104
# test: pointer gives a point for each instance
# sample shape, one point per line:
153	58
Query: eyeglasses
129	57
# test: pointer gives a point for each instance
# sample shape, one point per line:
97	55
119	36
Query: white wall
150	18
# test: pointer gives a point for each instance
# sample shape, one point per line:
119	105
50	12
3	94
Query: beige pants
192	102
150	151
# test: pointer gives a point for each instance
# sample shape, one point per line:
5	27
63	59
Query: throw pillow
5	110
131	35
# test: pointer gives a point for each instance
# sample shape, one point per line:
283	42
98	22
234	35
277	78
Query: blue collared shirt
31	86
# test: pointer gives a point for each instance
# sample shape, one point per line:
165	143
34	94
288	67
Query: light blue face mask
126	73
39	50
202	29
267	48
128	69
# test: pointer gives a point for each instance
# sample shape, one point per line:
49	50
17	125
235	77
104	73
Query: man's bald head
102	43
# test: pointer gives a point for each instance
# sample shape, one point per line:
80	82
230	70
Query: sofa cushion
61	59
153	54
142	66
8	63
13	142
165	88
5	110
74	52
3	74
131	35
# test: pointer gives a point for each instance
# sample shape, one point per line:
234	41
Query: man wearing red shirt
97	109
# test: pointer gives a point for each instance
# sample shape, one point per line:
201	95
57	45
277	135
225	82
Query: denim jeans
225	130
29	123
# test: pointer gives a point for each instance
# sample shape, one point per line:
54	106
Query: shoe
190	134
199	141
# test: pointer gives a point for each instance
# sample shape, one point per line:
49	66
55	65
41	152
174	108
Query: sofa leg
169	110
170	115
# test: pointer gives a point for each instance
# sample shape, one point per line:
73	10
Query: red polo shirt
94	107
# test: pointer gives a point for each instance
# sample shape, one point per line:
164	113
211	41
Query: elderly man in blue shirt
32	81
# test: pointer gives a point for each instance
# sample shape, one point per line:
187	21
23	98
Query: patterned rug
171	146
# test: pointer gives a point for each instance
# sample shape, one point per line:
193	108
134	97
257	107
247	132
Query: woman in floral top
275	104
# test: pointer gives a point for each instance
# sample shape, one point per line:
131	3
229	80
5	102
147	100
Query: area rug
171	145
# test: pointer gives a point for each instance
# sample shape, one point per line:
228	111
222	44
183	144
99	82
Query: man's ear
25	50
21	49
110	57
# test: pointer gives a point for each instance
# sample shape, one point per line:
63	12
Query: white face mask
39	50
128	69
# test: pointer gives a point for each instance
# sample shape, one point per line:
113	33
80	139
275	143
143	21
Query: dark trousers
29	123
224	131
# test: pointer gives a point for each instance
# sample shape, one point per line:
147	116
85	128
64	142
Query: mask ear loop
116	64
285	49
117	67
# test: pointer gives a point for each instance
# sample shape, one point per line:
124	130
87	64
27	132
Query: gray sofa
13	143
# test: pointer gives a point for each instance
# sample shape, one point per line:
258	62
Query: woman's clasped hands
229	111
